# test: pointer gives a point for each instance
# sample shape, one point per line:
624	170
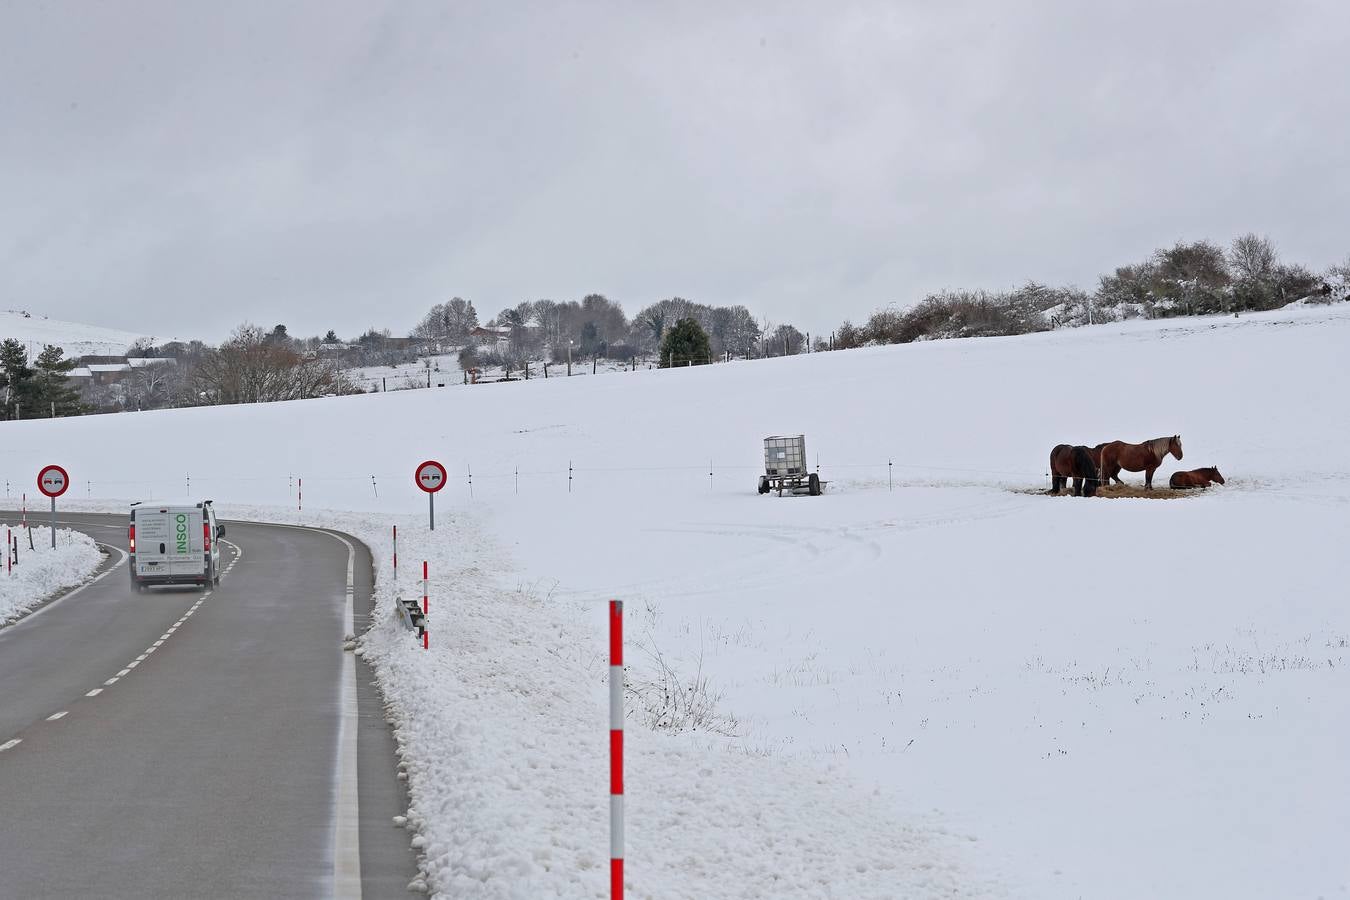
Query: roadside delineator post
395	551
426	605
616	749
299	494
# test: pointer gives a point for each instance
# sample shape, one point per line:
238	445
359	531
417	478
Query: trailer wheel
764	484
813	485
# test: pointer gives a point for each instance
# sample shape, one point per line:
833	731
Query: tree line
40	387
1186	279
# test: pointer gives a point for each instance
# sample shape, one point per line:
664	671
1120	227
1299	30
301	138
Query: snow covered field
42	571
35	331
932	680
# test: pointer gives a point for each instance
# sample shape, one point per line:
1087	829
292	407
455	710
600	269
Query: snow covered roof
110	367
81	372
140	362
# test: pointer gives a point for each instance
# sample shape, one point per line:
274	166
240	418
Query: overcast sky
179	167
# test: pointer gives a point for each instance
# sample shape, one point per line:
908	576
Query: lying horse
1196	478
1073	462
1145	457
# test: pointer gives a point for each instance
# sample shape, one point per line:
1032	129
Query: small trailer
785	467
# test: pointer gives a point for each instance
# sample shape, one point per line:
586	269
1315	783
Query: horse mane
1159	446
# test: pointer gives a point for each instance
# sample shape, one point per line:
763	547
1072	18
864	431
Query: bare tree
1252	256
250	369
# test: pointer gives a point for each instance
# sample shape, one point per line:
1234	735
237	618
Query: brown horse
1145	457
1073	462
1196	478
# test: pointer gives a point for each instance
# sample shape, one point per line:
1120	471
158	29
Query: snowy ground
445	372
42	571
35	331
931	680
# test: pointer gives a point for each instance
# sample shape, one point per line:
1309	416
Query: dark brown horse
1073	462
1196	478
1145	457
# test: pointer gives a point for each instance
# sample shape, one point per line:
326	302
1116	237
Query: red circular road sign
430	476
53	481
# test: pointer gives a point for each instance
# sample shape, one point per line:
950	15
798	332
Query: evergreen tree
52	384
16	381
685	343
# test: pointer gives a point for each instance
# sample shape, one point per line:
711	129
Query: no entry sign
53	481
430	477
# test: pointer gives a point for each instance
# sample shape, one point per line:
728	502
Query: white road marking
95	692
156	644
12	743
164	637
60	715
142	657
124	673
347	830
133	664
110	682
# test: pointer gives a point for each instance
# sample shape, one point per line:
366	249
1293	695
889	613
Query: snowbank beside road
42	571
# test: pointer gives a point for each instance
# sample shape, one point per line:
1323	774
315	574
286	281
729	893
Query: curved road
182	743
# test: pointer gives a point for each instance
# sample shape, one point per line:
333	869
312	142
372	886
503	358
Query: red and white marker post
53	481
395	551
616	748
426	608
430	477
299	494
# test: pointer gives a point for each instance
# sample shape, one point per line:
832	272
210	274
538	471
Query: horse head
1174	446
1214	474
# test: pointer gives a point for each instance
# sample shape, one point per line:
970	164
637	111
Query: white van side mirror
220	531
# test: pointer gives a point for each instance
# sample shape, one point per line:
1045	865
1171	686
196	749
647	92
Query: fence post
616	748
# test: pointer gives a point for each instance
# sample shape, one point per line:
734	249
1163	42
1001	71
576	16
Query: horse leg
1148	478
1077	486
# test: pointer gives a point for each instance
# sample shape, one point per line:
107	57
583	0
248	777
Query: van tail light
206	536
131	539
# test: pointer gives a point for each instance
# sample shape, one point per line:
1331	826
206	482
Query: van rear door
169	542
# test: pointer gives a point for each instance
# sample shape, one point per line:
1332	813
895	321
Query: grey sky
182	166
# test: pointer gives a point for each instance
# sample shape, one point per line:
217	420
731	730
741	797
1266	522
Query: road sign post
430	477
53	481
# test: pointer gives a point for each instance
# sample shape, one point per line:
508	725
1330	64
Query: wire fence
567	476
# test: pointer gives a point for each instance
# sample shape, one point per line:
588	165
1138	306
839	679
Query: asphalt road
180	743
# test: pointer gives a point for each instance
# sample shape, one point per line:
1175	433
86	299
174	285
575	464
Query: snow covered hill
35	331
932	680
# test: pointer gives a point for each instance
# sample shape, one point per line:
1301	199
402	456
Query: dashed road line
11	743
111	681
58	715
95	692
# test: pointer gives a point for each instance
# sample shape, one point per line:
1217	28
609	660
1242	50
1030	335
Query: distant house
108	373
491	335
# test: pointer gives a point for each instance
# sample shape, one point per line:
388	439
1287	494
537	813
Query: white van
174	543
